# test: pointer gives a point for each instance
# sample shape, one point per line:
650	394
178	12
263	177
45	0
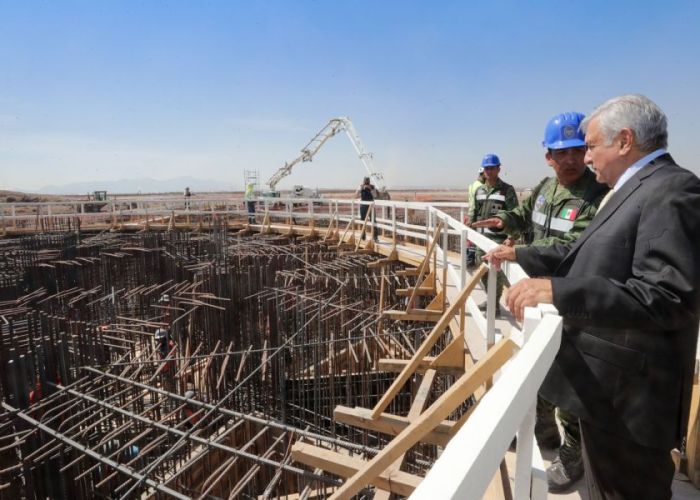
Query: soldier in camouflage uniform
490	198
557	211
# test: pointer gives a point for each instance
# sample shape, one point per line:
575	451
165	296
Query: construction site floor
683	489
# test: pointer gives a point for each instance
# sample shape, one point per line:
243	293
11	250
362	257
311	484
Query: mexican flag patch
568	213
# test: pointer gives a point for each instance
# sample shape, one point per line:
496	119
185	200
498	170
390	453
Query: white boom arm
329	130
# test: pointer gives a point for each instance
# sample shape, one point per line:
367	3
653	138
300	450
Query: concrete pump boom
309	151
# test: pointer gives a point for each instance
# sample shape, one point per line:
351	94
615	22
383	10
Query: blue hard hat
564	131
490	160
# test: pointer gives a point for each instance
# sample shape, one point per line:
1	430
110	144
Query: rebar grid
268	333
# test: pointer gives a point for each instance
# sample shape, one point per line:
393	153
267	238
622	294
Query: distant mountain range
142	185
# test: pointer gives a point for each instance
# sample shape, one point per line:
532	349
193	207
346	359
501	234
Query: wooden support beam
408	272
429	342
387	261
425	265
422	291
417	407
438	303
390	424
412	315
401	483
464	387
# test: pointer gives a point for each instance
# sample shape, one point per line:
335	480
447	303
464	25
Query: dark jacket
629	292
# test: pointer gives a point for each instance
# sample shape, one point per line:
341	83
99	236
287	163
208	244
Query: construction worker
557	211
250	202
190	412
188	195
367	193
165	345
471	248
491	197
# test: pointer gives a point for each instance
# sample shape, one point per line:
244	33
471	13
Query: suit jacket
629	292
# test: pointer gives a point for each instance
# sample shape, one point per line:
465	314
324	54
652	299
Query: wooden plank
387	261
422	291
417	407
428	343
438	411
388	423
413	315
438	303
401	483
408	272
428	363
425	265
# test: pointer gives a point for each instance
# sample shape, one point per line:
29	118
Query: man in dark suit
629	292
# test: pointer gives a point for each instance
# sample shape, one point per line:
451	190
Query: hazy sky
105	90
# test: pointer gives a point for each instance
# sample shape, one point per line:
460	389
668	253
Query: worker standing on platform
188	195
367	193
471	249
557	211
491	197
250	202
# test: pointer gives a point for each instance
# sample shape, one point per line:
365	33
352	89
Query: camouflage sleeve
511	199
518	220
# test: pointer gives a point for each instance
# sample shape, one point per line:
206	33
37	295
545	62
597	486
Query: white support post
463	259
525	451
491	307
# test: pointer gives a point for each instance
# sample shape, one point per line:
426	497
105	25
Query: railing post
463	258
491	306
526	432
352	217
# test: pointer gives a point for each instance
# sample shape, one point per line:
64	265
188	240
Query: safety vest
488	201
250	193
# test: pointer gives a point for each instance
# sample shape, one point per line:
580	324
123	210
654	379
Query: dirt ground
425	195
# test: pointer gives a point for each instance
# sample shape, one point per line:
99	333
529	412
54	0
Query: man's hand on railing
492	222
500	254
528	293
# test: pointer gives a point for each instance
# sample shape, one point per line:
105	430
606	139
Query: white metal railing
472	457
468	463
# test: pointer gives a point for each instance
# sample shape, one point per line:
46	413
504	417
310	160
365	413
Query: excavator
333	127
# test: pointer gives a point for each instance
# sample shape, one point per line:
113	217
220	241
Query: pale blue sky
104	90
